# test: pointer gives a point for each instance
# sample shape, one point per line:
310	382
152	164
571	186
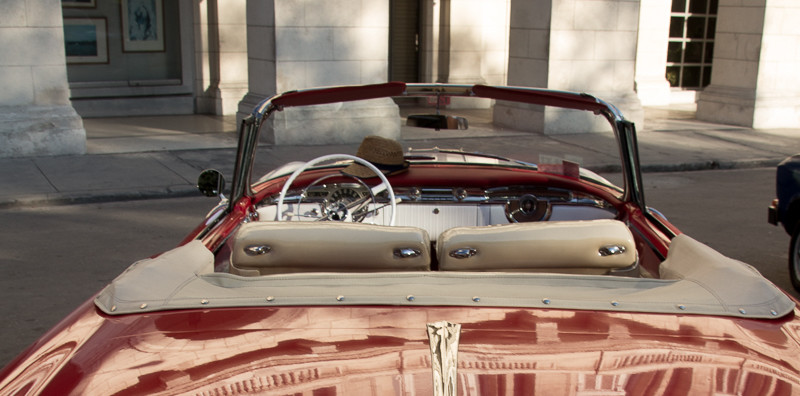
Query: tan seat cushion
559	246
261	248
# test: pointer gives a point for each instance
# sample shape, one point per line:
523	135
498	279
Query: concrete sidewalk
157	157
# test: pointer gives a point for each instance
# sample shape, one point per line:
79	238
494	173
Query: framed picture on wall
79	3
86	40
142	25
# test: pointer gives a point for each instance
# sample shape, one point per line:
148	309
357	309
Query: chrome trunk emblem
443	337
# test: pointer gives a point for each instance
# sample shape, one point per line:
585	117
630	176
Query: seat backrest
586	247
261	248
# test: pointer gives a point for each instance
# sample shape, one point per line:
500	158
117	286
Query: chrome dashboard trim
511	198
500	195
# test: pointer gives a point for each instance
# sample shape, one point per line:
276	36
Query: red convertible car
427	271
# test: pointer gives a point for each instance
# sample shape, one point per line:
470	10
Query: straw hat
385	154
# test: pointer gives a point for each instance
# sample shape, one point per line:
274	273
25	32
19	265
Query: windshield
575	143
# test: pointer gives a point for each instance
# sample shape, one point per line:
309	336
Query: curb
711	165
185	191
77	198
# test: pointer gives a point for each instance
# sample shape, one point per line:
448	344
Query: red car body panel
380	350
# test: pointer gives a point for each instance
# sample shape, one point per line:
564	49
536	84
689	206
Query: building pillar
465	41
36	117
261	81
221	50
434	40
754	80
652	86
478	40
297	44
572	45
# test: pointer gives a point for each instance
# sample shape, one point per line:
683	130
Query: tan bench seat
583	247
262	248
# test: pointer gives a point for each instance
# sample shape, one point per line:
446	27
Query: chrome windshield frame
624	130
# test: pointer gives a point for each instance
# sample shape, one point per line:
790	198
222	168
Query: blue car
786	210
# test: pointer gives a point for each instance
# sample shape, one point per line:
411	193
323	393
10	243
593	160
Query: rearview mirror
437	121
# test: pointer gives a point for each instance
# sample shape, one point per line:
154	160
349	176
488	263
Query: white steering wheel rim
331	157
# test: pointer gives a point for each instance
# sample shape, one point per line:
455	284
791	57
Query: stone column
478	41
651	53
324	43
36	117
465	41
221	50
572	45
434	40
755	80
261	80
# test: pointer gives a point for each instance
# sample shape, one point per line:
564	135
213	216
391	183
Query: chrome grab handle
406	253
463	253
257	250
611	250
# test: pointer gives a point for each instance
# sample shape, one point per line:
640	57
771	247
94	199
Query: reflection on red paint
375	350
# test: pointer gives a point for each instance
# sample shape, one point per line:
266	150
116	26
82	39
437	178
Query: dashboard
439	208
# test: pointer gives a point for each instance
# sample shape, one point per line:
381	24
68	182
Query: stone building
63	60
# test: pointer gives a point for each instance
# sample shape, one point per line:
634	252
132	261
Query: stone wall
755	79
221	56
315	43
572	45
651	53
36	117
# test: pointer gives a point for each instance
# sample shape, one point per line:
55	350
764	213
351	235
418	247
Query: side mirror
211	183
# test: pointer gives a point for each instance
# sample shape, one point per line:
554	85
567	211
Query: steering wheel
331	157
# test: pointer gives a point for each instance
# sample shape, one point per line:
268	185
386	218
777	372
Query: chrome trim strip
498	195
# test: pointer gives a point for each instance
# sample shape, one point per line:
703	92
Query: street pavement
157	157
